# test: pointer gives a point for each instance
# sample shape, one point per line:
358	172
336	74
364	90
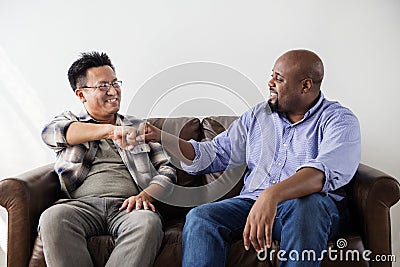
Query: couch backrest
186	128
200	130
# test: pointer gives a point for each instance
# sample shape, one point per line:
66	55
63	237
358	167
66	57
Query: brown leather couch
371	194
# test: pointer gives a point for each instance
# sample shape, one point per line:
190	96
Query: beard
273	106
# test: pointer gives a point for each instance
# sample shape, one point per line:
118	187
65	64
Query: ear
80	95
307	85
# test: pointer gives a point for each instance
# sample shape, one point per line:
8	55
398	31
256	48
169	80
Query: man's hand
148	133
125	137
261	217
181	149
258	228
138	202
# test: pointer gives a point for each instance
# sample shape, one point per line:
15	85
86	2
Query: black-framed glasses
104	86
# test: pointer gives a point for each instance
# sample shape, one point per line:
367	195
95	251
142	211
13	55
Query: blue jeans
305	223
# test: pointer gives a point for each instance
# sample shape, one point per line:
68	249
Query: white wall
359	42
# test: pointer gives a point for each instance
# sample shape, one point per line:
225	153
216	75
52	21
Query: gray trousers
64	228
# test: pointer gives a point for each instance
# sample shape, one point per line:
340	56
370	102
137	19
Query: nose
112	90
271	82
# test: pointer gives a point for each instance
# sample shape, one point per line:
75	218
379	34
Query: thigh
229	213
75	214
305	212
119	221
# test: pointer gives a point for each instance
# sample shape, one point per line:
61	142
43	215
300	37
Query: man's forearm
181	149
154	191
79	132
304	182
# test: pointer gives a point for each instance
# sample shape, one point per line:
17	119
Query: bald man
314	146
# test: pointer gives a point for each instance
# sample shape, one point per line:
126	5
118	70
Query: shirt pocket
74	154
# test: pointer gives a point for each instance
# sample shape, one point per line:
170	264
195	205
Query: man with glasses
107	179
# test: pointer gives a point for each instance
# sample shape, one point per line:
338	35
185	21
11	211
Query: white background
359	42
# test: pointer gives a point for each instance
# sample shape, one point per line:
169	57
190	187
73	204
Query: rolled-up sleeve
339	152
227	150
204	157
54	133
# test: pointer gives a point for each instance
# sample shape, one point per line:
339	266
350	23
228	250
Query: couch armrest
25	197
372	194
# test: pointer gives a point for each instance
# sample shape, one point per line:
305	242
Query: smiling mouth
111	100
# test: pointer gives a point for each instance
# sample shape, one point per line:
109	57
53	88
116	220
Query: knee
149	222
53	216
198	214
53	223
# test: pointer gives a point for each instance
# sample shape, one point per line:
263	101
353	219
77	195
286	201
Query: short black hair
77	71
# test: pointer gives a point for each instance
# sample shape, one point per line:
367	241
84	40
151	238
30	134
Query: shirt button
285	145
279	163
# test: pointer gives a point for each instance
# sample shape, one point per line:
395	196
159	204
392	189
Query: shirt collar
314	108
85	116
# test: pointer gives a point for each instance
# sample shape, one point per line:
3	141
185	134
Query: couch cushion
37	259
170	254
100	248
187	128
354	243
211	127
171	251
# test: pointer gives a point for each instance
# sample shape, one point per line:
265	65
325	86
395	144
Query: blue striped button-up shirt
273	148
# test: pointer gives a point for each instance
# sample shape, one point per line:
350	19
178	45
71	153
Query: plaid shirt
147	164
